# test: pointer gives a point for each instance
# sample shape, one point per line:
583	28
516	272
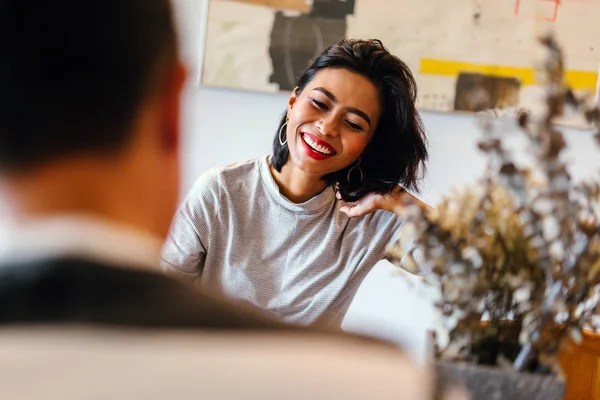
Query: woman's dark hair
397	152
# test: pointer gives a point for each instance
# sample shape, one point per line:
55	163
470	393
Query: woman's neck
296	185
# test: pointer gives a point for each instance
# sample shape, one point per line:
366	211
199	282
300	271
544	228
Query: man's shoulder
71	290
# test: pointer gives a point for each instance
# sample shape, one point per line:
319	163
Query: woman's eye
354	126
319	105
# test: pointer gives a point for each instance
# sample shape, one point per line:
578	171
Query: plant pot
489	383
580	364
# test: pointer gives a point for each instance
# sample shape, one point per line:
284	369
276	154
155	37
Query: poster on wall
467	55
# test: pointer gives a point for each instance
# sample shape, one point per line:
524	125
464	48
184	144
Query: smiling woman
328	126
364	97
295	233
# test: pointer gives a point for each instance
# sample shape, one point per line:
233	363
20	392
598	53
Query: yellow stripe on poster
578	80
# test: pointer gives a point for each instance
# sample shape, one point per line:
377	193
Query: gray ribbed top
235	233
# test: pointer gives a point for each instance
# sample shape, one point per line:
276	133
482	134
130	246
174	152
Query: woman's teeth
315	146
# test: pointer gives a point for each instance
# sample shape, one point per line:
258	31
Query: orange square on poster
537	9
303	6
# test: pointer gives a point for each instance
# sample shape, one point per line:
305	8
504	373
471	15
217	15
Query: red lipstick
316	148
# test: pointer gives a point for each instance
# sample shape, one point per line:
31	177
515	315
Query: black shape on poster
332	9
478	92
296	41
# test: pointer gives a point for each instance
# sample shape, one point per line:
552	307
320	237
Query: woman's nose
329	126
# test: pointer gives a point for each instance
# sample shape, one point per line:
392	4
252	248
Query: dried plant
516	256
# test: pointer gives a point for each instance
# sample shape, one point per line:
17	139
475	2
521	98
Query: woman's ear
292	99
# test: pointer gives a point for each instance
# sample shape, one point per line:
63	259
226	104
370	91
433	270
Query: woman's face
331	121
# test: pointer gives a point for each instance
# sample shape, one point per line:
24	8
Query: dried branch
522	246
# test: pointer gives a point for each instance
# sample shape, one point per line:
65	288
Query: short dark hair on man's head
397	153
73	74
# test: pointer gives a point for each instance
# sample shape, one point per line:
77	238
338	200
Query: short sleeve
188	241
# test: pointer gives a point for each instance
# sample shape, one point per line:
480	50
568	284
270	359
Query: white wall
223	126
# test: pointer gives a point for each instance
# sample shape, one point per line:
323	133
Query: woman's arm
184	251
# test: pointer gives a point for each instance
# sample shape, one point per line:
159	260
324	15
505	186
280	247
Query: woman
295	233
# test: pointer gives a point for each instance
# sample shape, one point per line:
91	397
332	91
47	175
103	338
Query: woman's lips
318	144
315	148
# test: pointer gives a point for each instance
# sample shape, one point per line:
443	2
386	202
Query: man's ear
171	102
292	99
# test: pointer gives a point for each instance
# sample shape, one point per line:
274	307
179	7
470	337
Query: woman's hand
393	202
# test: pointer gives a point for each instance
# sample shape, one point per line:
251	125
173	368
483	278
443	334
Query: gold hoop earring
357	166
281	141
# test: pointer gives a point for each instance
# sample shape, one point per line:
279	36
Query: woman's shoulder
382	219
379	225
221	176
251	166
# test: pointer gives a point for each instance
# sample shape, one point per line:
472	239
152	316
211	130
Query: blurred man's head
89	108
